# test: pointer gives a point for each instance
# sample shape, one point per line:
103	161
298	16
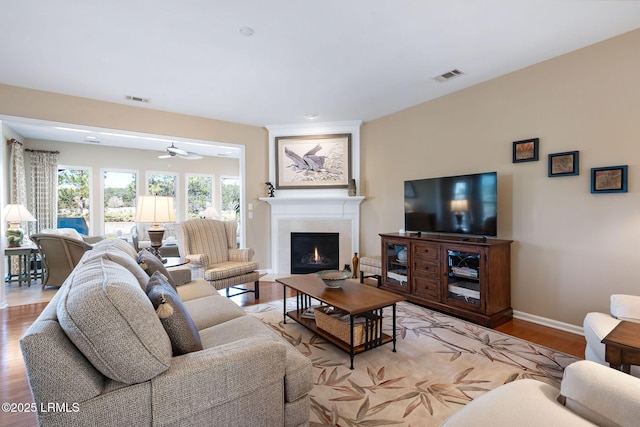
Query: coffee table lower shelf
343	345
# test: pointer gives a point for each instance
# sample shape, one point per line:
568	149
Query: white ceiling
337	59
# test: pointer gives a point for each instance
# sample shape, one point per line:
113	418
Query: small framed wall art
525	150
610	179
313	161
563	164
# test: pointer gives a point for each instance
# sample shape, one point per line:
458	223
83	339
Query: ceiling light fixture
311	116
246	31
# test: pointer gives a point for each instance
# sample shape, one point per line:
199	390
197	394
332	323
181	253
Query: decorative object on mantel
563	164
313	161
270	189
609	179
355	261
14	215
525	150
352	187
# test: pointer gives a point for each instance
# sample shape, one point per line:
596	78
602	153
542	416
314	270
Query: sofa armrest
245	254
180	274
625	307
216	376
600	394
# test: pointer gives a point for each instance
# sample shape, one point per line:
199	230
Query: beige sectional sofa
99	355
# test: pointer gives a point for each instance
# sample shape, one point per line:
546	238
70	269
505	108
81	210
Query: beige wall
34	104
572	248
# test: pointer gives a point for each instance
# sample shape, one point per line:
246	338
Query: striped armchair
212	245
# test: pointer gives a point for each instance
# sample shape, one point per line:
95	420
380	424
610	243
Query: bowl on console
333	278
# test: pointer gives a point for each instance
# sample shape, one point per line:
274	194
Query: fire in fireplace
312	252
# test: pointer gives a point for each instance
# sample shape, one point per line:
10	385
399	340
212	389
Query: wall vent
449	75
137	98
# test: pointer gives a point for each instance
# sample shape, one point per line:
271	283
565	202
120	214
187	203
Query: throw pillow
173	315
108	317
150	263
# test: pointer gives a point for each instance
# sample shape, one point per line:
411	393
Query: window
199	194
230	195
119	194
162	184
74	196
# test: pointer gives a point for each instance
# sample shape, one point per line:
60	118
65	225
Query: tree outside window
230	195
199	194
162	184
119	202
73	193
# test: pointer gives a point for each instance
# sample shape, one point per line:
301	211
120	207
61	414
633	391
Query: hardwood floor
15	321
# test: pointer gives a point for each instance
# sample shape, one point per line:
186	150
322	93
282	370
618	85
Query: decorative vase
14	237
351	188
355	262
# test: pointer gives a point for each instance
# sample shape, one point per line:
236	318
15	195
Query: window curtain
18	178
44	183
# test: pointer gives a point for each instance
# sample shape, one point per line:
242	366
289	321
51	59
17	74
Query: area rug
441	364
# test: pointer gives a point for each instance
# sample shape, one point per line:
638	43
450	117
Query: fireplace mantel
320	213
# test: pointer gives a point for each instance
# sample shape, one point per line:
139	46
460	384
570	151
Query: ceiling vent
449	75
137	98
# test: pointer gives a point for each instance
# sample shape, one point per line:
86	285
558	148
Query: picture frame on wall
609	179
313	161
525	150
563	164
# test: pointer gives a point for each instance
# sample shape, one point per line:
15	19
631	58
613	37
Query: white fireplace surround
328	210
336	214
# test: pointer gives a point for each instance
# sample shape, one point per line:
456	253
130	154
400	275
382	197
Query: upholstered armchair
598	325
212	245
59	254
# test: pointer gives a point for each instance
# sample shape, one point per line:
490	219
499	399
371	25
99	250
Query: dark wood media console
465	277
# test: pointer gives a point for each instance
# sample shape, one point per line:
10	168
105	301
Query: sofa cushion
212	310
150	264
176	320
121	253
113	323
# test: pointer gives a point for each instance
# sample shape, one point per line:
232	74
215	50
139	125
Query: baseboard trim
566	327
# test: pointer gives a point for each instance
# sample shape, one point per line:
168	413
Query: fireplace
312	252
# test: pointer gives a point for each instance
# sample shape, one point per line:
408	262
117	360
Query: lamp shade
16	213
459	205
210	212
155	209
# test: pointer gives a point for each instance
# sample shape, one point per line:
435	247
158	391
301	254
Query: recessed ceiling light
246	31
311	116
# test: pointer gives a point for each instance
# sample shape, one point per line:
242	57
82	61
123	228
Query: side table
27	257
622	346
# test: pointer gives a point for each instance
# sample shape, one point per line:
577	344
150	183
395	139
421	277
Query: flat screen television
464	204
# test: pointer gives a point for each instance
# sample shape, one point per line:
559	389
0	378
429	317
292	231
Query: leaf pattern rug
440	364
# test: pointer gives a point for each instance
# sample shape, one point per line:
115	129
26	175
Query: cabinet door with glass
465	283
395	265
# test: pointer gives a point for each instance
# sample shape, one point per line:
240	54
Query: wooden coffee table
622	346
353	298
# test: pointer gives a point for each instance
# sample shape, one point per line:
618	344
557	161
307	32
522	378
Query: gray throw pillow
173	315
150	263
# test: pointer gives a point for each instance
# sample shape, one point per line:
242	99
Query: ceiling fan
174	151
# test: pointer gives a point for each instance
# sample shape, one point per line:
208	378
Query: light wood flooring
15	320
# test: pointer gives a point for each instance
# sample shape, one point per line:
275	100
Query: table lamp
15	214
459	207
210	212
155	209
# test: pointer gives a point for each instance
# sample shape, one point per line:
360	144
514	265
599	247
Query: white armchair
598	325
